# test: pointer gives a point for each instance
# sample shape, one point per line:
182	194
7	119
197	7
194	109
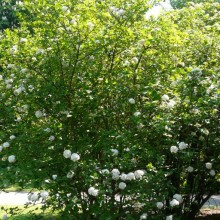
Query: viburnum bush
110	113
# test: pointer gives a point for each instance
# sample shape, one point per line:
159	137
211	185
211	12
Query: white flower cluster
93	192
159	205
74	157
208	166
138	174
34	197
114	152
167	102
116	11
175	149
143	216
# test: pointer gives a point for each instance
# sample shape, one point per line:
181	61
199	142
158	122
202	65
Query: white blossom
205	131
131	100
212	172
122	185
10	66
143	216
70	175
92	191
159	205
130	176
11	159
104	171
40	51
174	202
190	169
75	157
115	174
114	152
115	171
178	197
90	25
38	114
138	174
67	153
123	176
171	104
169	217
165	97
208	165
1	148
134	60
136	114
23	40
65	9
174	149
24	70
54	176
34	197
182	145
51	138
12	137
44	194
6	144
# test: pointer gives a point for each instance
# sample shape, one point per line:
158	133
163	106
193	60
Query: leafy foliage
133	99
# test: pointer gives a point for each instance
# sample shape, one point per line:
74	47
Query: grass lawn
29	213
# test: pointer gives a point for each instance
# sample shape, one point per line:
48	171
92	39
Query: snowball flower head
123	176
190	169
143	216
171	104
122	185
54	176
92	191
12	137
178	197
1	148
182	145
136	114
75	157
38	114
34	197
208	165
212	172
115	171
44	194
51	138
138	174
134	60
159	205
165	98
114	152
169	217
11	159
115	174
174	202
174	149
130	176
65	9
131	100
67	153
70	175
6	144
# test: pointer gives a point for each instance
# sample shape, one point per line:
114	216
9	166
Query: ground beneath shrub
209	214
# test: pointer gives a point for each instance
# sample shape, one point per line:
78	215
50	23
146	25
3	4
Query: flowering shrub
110	114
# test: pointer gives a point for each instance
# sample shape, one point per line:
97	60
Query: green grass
27	213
